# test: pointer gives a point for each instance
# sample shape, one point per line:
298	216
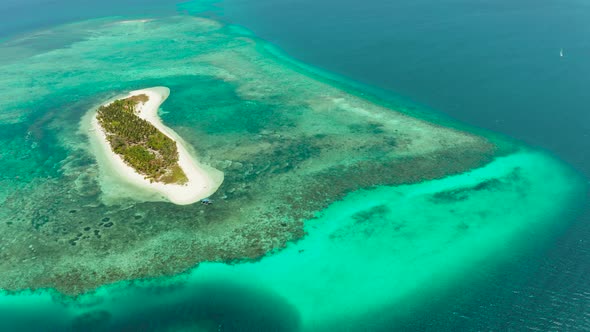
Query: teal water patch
198	7
387	246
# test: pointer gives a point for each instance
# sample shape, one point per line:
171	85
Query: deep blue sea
491	64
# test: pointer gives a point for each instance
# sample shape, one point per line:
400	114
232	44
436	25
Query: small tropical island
142	151
139	143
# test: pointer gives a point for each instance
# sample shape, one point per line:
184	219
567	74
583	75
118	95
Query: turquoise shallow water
388	248
381	247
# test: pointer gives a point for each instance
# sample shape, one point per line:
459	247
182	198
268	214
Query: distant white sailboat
561	52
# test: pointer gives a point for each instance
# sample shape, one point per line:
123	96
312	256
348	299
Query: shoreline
202	181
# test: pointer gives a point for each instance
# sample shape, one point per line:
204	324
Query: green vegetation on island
140	144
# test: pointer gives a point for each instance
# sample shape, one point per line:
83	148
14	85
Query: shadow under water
210	305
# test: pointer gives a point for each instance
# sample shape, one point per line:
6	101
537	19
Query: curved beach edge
120	180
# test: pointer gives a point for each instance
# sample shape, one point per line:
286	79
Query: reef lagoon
336	207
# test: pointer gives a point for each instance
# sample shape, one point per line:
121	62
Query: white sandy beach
202	180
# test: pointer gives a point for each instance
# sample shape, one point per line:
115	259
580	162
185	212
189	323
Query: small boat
561	52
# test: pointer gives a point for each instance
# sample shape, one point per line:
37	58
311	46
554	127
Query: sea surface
491	65
494	65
